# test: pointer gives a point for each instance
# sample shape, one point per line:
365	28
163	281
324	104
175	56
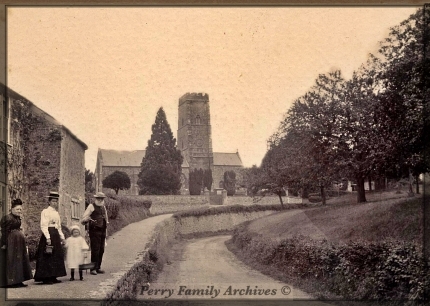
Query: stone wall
72	180
162	204
43	172
267	200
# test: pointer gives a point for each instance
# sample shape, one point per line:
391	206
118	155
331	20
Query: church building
194	140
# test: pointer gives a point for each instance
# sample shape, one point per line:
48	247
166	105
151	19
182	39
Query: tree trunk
305	193
361	193
411	189
417	177
323	194
280	199
116	191
370	183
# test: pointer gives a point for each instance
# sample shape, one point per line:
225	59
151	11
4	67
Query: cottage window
76	212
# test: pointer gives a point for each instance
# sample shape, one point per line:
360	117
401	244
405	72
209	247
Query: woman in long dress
49	266
13	248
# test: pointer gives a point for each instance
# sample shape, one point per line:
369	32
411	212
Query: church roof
227	159
122	158
115	158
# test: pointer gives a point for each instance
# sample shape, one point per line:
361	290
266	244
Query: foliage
207	179
21	152
161	167
196	182
230	182
117	180
369	126
356	271
89	178
236	209
123	211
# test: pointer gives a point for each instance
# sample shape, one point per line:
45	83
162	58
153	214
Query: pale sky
103	72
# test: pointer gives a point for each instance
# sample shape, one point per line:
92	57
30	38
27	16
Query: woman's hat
53	194
16	202
99	195
75	227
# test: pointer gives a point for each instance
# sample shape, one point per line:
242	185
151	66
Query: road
205	269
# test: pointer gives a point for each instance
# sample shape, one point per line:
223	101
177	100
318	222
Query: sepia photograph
215	155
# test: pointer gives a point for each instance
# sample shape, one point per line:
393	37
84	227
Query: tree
403	109
196	181
161	167
207	179
89	177
313	124
230	182
117	180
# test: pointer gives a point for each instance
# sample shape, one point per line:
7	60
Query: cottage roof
227	159
115	158
16	96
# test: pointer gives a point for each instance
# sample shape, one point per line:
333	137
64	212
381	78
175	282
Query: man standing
96	217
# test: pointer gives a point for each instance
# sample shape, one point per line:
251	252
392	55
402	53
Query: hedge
388	270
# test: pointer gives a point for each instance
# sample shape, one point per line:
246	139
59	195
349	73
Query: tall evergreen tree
161	167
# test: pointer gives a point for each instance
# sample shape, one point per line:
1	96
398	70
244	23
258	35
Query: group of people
50	261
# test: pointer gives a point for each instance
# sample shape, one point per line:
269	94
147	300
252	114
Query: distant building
43	156
109	161
194	140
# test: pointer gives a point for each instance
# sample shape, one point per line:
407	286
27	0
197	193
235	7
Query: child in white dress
77	250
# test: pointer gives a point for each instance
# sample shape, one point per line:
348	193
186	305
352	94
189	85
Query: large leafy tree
117	180
161	167
310	133
403	111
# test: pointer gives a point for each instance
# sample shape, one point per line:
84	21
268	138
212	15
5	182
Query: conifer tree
161	167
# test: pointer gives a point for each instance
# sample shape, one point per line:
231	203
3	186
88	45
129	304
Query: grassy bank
370	251
392	219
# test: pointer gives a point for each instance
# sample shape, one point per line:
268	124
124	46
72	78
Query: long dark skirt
15	260
49	266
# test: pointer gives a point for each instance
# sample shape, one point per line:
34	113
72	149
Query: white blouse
50	218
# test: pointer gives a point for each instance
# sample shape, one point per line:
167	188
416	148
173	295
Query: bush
147	204
357	270
124	211
112	207
235	209
315	198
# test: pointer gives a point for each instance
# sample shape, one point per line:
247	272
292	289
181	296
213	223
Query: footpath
121	251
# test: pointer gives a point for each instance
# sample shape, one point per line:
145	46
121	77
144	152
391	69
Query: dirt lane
206	269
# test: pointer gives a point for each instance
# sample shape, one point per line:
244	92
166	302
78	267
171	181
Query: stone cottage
43	156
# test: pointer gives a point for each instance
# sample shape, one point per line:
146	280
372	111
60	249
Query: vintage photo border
208	3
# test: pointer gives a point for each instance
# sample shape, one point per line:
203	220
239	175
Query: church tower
194	130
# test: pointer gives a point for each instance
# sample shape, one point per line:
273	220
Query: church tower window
198	120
